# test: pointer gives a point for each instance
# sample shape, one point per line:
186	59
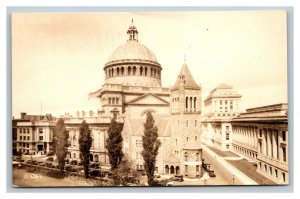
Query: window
284	154
74	155
197	156
117	100
187	139
109	100
266	168
197	168
276	173
227	135
220	102
283	136
28	137
196	123
139	143
40	137
176	141
271	170
186	167
113	100
27	145
227	146
283	177
20	137
24	137
40	130
27	131
196	138
260	165
186	156
186	123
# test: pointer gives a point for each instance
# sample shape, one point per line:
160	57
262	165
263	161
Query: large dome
132	50
133	64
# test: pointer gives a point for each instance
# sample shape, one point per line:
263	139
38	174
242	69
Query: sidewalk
244	179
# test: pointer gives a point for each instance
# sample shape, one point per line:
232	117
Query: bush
50	153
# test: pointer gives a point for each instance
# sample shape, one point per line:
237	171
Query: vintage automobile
178	178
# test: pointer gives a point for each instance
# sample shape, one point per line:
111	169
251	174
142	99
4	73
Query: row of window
24	138
187	123
186	156
142	71
113	100
24	145
24	130
269	170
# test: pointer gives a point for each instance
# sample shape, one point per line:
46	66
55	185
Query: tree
114	144
85	142
60	143
124	175
150	147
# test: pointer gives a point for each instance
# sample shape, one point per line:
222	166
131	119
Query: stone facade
261	135
35	136
220	107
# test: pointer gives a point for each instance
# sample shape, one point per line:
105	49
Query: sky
58	58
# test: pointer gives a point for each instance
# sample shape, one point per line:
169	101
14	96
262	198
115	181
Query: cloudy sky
58	58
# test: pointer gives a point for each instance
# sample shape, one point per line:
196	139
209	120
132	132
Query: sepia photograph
149	99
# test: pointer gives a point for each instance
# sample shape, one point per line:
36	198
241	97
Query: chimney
23	114
91	113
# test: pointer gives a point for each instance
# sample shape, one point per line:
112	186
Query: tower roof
187	78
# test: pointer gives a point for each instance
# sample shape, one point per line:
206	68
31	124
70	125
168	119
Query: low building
35	134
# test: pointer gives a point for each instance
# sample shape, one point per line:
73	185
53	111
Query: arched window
154	75
195	100
118	71
197	156
134	70
191	103
141	70
96	158
146	70
122	71
151	72
186	103
112	72
186	155
129	70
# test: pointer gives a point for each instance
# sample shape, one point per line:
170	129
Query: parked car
141	172
95	173
211	173
95	165
178	178
156	175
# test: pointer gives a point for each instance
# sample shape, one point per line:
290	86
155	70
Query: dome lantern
132	32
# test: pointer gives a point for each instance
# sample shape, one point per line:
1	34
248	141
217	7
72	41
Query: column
271	143
275	144
264	141
268	143
280	156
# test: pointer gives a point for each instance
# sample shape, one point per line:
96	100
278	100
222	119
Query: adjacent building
222	104
34	134
261	134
